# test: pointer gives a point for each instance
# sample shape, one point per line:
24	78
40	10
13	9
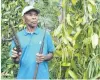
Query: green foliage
11	11
76	45
76	36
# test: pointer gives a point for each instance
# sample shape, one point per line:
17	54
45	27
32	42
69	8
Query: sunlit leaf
64	40
90	31
84	19
72	74
63	3
74	2
87	40
77	33
69	20
85	75
92	2
79	21
21	25
58	30
90	8
65	64
94	39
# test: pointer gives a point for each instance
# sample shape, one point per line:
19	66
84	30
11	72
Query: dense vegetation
75	28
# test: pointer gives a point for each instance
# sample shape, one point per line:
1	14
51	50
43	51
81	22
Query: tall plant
11	11
78	36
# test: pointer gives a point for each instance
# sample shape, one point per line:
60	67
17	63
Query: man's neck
31	29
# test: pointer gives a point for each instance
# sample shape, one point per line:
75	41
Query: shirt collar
35	32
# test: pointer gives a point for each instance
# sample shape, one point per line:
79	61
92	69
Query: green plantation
75	29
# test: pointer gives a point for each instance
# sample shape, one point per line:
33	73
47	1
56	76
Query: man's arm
48	57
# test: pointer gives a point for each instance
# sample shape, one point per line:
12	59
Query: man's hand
40	57
15	55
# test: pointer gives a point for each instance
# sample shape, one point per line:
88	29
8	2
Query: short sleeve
50	45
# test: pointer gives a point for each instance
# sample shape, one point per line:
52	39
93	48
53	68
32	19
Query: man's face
31	18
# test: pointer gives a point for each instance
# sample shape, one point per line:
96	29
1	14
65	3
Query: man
30	40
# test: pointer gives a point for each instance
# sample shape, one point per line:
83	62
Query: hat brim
35	10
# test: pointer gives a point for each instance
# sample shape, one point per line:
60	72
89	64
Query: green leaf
72	74
63	3
87	40
66	64
5	20
92	2
85	75
84	20
94	9
97	76
77	33
73	64
64	40
69	20
58	53
94	39
58	30
21	25
74	2
90	8
79	21
90	31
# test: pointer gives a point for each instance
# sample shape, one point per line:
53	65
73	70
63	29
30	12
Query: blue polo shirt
30	43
